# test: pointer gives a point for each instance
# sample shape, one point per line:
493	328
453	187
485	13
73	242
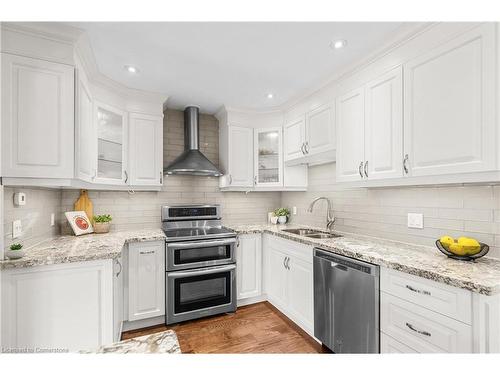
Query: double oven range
200	263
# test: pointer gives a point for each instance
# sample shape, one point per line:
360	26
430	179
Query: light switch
17	228
416	221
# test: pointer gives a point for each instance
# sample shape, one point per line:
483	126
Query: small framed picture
79	222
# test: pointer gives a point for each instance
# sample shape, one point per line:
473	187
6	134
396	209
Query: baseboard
251	300
143	323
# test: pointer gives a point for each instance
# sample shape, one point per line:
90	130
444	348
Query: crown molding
55	31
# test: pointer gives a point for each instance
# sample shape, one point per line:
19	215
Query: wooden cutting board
83	203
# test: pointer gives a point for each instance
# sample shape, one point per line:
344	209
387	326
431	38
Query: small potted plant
282	214
102	223
15	251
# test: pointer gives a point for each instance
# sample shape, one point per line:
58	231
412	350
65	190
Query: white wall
472	210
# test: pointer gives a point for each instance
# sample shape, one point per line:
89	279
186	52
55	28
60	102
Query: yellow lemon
446	241
469	245
457	249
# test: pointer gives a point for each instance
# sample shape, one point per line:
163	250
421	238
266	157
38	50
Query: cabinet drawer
447	300
423	330
389	345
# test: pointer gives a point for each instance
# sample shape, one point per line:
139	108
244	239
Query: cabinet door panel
276	278
294	138
146	149
268	153
85	139
37	118
320	130
249	266
146	280
384	126
350	135
449	106
240	156
300	293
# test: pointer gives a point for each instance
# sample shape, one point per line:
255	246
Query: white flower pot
274	220
14	254
282	219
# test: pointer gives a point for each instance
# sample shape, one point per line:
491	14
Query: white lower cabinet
249	266
424	316
146	280
389	345
289	280
117	298
65	306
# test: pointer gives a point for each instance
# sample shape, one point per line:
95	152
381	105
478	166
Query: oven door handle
199	272
191	245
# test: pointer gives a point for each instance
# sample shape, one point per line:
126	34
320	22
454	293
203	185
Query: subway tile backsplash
457	210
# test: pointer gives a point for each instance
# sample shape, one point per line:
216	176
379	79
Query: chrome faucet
330	218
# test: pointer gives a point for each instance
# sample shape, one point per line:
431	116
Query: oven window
203	291
202	254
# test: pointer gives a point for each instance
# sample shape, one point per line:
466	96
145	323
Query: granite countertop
157	343
68	249
481	276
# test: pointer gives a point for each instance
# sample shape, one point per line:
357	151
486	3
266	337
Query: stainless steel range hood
192	161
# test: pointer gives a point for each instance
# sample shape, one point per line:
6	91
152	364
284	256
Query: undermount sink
311	233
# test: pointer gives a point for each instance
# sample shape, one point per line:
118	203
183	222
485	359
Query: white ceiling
235	64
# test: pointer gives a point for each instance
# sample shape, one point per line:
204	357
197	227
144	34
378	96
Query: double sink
311	233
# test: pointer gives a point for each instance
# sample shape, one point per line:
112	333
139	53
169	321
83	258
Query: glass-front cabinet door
268	157
111	145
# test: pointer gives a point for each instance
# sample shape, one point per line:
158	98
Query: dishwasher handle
345	263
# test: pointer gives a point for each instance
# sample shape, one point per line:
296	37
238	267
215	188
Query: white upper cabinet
85	134
310	138
111	126
294	134
384	126
37	118
351	136
449	121
146	149
268	155
239	158
320	130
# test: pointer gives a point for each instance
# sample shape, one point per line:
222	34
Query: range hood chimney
192	161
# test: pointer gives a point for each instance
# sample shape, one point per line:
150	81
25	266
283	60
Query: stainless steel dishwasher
346	303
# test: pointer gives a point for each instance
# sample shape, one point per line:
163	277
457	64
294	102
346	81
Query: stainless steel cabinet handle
288	263
255	180
161	178
405	164
366	168
230	180
121	268
359	169
126	176
409	287
424	333
146	252
284	262
302	148
237	241
307	147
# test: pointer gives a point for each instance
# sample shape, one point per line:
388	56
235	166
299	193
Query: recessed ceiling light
270	96
131	69
337	44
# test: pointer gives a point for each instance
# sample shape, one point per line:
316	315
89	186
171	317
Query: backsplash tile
382	212
34	216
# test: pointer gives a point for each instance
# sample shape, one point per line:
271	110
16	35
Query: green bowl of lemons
464	248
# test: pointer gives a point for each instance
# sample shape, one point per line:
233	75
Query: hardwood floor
258	328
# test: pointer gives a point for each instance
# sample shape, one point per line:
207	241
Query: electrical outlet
294	210
52	219
416	221
17	228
